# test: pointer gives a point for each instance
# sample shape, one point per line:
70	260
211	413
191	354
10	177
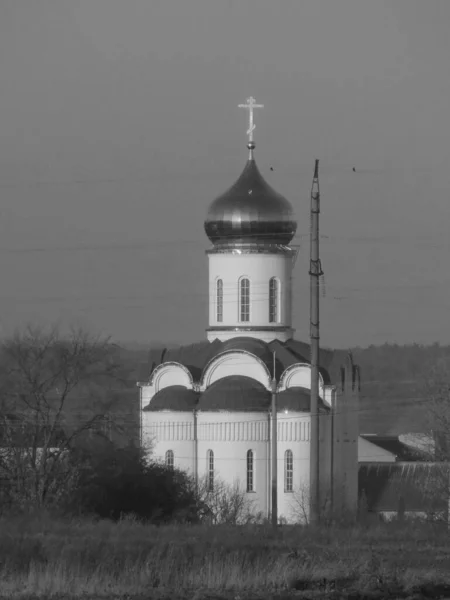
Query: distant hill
393	379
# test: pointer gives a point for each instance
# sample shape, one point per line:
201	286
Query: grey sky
119	125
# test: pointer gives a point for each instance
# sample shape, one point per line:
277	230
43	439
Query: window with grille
169	459
219	301
210	470
288	471
244	300
250	479
273	300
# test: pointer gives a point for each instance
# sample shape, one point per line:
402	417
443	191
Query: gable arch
299	375
235	362
171	373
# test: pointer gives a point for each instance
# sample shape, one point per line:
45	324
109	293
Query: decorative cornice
250	328
252	249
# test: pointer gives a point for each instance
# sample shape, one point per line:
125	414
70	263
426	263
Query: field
48	557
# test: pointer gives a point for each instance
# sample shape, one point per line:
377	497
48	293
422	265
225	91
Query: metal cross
250	105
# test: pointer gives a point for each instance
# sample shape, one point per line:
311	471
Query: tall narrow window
273	300
244	300
210	469
219	301
250	471
288	471
169	459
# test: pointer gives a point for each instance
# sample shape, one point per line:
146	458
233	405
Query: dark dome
296	399
174	397
235	394
250	212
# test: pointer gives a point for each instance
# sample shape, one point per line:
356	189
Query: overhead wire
281	416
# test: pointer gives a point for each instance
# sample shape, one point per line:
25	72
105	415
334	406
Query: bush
116	482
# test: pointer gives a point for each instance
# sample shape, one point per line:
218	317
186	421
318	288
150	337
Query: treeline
394	362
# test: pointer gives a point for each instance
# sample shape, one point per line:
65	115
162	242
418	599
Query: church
206	407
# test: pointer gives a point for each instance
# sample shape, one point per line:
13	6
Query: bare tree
225	504
299	505
53	390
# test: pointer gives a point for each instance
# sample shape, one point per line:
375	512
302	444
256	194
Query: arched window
219	301
250	481
288	471
210	469
169	459
273	300
244	300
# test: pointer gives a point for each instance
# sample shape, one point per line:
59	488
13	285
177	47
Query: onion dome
250	212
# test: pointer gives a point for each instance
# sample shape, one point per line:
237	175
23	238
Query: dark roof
330	361
252	345
175	397
235	393
384	484
296	399
195	357
392	444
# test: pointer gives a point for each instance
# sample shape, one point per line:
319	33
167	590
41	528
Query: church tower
250	264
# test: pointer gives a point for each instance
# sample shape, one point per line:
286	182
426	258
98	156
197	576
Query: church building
206	407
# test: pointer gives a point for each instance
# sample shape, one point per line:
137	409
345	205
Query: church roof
175	397
195	357
296	399
235	393
403	452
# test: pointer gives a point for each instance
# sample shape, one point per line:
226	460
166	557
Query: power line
180	243
112	417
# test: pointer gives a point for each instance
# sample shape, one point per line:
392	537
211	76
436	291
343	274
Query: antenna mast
315	272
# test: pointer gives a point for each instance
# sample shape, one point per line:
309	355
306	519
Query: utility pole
274	450
315	272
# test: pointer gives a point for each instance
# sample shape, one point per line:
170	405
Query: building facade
206	407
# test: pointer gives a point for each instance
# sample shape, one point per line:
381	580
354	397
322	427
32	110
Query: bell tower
250	227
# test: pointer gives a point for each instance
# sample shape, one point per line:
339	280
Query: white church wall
293	434
259	269
170	430
235	363
230	436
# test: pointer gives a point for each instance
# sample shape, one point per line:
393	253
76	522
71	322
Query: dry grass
44	557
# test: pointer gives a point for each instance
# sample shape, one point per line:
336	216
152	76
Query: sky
119	124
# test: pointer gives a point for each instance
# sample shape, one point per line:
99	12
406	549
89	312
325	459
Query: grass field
43	557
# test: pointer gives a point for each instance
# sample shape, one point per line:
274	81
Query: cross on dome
251	105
